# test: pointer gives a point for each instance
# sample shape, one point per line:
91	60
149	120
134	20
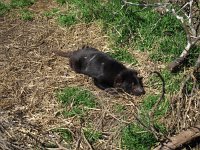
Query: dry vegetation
30	76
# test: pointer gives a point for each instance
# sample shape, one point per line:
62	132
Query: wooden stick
182	138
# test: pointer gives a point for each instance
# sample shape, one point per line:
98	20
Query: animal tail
63	54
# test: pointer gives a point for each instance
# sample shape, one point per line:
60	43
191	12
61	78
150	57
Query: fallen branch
190	30
181	139
143	4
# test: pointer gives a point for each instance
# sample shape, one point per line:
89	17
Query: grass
66	20
172	81
119	108
78	98
135	137
91	135
26	15
51	13
65	134
3	8
128	27
21	3
122	55
61	2
149	101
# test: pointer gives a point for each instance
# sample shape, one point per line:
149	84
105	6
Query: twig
152	112
145	5
79	139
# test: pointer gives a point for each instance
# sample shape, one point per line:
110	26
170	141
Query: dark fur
105	71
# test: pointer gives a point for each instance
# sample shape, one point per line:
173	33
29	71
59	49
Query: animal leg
101	84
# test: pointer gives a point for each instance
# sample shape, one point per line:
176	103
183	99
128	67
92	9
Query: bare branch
191	34
145	5
180	139
190	21
183	8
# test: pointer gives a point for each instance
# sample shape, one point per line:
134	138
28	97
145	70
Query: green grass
134	137
3	8
78	99
52	13
65	134
67	20
149	101
122	55
91	135
146	106
61	2
172	81
131	27
21	3
144	30
26	15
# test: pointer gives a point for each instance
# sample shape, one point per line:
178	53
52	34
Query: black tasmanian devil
105	71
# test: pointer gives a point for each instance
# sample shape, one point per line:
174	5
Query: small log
181	139
176	64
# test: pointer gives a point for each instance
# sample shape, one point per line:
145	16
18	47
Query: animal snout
139	91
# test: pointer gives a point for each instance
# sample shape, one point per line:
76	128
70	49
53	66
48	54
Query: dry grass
30	74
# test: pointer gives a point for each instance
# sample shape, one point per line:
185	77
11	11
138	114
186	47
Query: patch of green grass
144	30
61	2
122	55
135	137
67	20
149	101
78	99
21	3
3	8
65	134
154	38
75	111
193	55
91	135
26	15
172	81
53	12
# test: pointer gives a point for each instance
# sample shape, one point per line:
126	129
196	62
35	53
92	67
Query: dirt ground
30	75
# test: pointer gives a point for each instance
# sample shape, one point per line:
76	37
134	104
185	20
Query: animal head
129	81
